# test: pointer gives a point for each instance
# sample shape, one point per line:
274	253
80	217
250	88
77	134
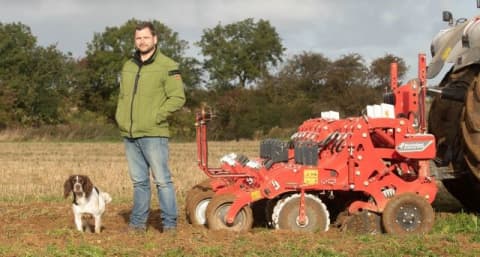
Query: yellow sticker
446	53
255	195
310	177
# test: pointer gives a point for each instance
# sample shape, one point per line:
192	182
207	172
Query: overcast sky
370	28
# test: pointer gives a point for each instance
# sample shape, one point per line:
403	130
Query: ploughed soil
47	229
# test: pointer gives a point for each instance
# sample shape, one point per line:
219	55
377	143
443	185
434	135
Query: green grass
458	223
475	238
212	251
52	250
294	250
85	250
61	233
5	249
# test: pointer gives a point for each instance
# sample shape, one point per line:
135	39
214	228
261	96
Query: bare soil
47	229
34	221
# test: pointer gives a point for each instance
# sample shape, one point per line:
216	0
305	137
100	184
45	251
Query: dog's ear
87	186
67	187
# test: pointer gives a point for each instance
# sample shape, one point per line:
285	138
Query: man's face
145	41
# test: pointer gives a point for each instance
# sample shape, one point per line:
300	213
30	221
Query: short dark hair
146	24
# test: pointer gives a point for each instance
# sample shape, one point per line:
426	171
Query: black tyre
217	210
408	214
456	126
269	211
470	127
197	201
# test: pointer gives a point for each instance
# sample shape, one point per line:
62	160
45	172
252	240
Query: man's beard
149	50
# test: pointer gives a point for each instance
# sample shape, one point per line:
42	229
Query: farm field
35	219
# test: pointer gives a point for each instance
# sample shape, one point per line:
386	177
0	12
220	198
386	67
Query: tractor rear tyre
470	126
217	211
197	201
286	214
456	126
408	214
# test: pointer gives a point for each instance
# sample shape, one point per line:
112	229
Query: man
151	89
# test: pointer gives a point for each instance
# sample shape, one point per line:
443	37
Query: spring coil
388	192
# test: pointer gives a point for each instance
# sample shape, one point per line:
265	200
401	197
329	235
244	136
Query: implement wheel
217	211
364	222
407	214
286	214
197	201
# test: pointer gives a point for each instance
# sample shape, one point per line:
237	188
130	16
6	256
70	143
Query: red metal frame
369	155
201	120
422	77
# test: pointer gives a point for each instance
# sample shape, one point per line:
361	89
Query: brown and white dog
87	200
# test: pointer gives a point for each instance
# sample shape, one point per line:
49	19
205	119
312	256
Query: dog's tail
106	197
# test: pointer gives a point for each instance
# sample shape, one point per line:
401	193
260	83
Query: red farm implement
369	172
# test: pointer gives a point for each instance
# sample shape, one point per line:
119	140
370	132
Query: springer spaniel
87	200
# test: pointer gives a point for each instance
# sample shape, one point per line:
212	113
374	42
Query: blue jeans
145	154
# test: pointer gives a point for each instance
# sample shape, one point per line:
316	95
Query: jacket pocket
160	118
122	113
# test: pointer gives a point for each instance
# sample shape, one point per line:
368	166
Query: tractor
369	173
454	116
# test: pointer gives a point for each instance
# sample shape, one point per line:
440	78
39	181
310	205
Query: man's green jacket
150	91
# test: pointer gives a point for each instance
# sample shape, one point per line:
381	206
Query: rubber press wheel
408	214
197	201
217	211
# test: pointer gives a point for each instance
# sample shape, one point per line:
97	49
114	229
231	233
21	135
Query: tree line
243	76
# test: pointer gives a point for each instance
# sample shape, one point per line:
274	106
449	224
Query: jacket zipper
135	86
